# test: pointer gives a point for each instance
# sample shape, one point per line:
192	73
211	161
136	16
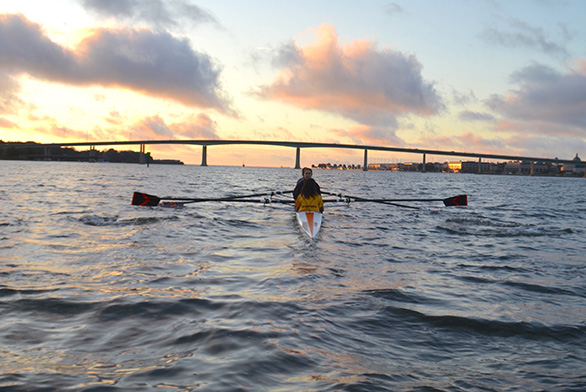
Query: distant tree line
336	166
34	152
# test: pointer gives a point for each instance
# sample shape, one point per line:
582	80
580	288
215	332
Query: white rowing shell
310	222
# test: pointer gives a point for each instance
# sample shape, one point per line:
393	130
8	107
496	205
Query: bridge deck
298	146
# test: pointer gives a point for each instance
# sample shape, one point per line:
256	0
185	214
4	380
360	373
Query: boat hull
310	222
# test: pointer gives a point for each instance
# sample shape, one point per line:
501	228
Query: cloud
154	127
545	96
467	141
9	90
197	127
472	141
375	135
468	115
158	13
24	48
580	67
114	118
4	123
53	129
287	55
543	145
356	80
545	112
393	9
152	63
193	127
464	99
523	35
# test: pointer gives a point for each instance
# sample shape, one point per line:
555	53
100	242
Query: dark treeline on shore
34	152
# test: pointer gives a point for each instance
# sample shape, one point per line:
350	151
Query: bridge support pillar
479	165
424	162
204	155
46	153
365	166
141	159
531	172
298	158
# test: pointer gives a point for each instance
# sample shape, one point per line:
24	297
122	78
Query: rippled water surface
100	295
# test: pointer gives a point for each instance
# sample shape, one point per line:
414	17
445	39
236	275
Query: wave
528	287
493	328
57	306
497	228
239	223
97	220
398	296
7	291
158	309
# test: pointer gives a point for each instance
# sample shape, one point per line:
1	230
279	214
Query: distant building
382	166
409	166
529	168
574	169
472	167
469	167
454	166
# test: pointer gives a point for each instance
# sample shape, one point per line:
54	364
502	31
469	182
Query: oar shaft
460	200
362	199
263	201
227	198
144	199
390	200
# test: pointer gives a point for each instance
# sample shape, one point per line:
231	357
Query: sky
483	76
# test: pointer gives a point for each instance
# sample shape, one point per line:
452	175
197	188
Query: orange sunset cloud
355	80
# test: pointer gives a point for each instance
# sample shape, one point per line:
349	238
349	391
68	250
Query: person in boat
306	173
309	198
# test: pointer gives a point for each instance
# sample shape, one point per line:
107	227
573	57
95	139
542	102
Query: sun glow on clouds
356	81
123	66
142	60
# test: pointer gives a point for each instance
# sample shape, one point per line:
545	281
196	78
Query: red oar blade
143	199
460	200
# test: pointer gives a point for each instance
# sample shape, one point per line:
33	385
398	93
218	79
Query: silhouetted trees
33	151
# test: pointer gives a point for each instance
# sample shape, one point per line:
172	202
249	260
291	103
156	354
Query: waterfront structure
576	168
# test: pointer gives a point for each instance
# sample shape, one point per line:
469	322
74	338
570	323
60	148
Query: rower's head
306	173
309	187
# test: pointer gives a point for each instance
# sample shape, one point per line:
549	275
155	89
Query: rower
306	174
309	198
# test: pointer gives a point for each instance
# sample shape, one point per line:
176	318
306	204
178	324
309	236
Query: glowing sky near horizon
486	76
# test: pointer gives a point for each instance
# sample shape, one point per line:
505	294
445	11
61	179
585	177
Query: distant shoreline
518	168
34	152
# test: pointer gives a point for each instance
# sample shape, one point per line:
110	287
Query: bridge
297	145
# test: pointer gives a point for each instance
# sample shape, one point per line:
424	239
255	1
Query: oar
144	199
460	200
180	204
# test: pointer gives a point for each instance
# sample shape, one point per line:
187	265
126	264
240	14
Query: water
100	295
